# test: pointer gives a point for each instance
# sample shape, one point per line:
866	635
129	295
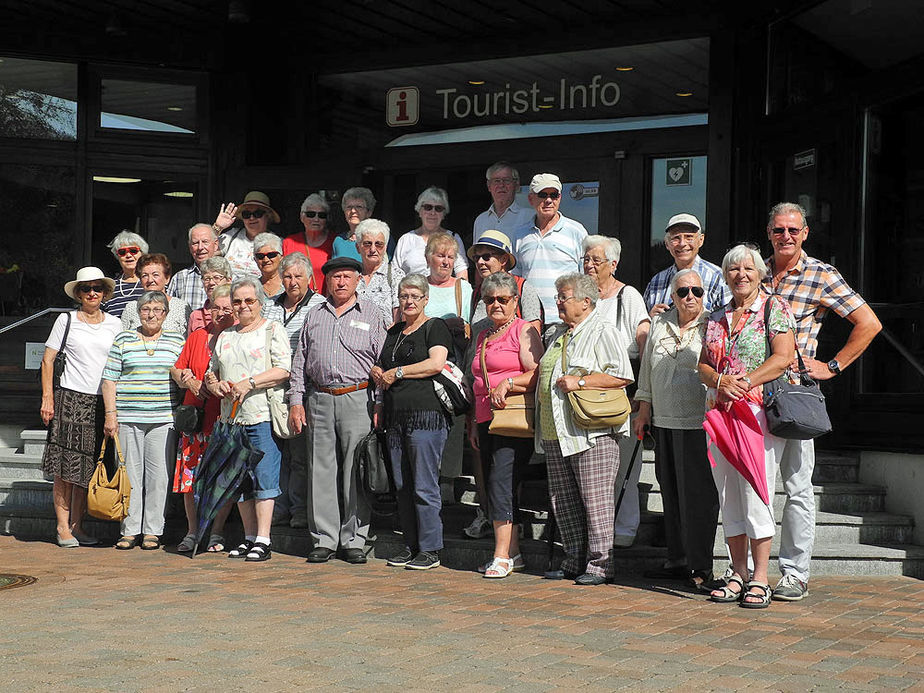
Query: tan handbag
108	499
593	409
517	418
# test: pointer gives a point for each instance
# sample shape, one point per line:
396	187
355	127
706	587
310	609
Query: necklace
495	330
398	342
97	325
122	283
151	349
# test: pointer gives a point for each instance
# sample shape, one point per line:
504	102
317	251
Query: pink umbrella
738	437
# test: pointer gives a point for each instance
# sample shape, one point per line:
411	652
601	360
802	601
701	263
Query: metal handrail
902	349
33	317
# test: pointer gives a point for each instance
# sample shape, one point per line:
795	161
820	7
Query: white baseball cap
541	181
687	219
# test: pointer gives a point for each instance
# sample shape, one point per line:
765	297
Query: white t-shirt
409	254
634	313
87	348
237	249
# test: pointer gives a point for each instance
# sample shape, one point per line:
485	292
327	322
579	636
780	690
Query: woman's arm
783	347
111	425
48	396
531	351
420	370
592	381
729	387
266	379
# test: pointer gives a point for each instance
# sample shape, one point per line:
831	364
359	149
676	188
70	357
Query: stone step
33	442
25	493
16	465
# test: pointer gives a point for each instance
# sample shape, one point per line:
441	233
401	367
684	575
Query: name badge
359	325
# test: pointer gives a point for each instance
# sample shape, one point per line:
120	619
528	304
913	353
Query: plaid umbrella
227	464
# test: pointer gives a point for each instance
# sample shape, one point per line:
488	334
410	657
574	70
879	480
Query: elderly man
339	344
505	214
237	244
187	283
683	238
812	288
548	245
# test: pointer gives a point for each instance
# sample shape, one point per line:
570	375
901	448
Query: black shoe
424	561
401	560
320	554
677	572
355	556
560	575
259	552
589	579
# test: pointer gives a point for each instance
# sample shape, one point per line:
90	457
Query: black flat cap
341	263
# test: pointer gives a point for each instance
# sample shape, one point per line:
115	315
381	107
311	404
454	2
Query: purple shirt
336	350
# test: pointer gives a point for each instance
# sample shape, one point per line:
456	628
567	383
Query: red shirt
195	356
296	244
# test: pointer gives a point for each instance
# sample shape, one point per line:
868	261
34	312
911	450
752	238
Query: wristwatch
834	367
253	383
582	383
399	372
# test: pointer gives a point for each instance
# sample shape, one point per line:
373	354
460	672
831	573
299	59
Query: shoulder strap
269	343
619	305
484	367
67	329
519	281
802	368
564	351
458	297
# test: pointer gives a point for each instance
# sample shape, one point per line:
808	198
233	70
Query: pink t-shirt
502	360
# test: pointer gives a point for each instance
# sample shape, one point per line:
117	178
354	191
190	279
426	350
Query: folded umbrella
737	435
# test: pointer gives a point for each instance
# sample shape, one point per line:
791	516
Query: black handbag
188	419
61	358
794	412
375	475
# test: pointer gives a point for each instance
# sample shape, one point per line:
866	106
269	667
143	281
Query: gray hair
364	195
315	200
582	285
221	291
782	208
369	227
741	252
683	273
201	225
154	297
270	239
416	281
500	166
296	259
249	281
499	281
433	195
216	263
611	246
126	238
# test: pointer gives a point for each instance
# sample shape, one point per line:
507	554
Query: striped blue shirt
717	293
145	393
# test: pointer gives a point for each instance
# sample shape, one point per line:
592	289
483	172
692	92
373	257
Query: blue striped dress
145	393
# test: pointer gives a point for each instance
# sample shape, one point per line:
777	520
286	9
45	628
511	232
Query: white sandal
499	568
519	565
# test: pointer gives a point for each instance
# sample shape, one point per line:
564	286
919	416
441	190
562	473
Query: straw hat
258	199
497	241
86	275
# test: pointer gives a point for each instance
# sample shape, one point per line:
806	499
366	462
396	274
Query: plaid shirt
187	284
717	293
812	288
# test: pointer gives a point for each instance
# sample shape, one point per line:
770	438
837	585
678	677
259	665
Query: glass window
38	99
678	185
148	106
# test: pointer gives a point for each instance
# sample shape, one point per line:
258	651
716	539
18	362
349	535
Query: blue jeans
266	474
415	459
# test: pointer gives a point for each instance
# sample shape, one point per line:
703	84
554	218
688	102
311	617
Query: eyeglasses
255	213
780	230
87	288
595	261
128	250
311	214
413	298
213	278
238	302
219	311
502	181
485	256
554	195
491	300
152	311
430	208
369	244
563	299
678	238
357	208
271	255
682	291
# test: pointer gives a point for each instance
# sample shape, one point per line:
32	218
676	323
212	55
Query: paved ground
100	619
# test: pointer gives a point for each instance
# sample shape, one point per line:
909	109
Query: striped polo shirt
145	392
543	259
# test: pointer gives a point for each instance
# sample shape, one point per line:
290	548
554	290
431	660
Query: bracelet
718	382
216	228
111	411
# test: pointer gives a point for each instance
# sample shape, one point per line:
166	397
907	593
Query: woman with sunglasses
74	406
671	401
380	277
432	207
316	242
506	356
267	251
216	271
127	247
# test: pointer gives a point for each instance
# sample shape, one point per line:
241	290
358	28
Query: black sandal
764	598
259	552
241	550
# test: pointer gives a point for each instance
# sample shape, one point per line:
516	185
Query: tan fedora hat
86	275
258	199
496	240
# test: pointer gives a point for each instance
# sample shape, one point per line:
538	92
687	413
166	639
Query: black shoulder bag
61	358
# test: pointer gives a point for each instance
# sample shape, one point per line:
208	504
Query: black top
412	395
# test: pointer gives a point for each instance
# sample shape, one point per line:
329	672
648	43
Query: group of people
360	332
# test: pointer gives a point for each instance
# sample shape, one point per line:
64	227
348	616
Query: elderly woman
241	371
316	242
188	372
506	357
138	393
672	399
74	407
734	364
415	350
236	244
267	252
358	205
432	206
624	306
155	271
380	278
216	271
290	309
126	248
582	463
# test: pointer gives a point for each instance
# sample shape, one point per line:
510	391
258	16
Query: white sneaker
481	527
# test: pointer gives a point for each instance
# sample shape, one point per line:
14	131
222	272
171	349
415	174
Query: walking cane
625	481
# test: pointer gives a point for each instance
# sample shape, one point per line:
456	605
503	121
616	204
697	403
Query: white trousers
150	454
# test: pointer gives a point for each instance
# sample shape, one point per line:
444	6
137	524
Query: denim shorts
266	474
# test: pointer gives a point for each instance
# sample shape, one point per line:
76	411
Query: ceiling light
625	68
179	193
476	82
175	109
684	93
115	179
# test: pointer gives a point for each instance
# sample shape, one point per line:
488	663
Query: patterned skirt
74	436
188	455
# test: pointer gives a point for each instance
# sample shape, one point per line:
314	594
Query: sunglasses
554	195
485	256
698	291
431	208
271	255
491	300
780	230
255	213
243	301
370	244
311	214
128	250
87	288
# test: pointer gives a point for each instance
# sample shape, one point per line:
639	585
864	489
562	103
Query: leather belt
344	390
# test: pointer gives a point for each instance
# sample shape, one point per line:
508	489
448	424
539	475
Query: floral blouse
743	349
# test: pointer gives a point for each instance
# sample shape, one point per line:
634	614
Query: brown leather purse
593	409
517	418
108	499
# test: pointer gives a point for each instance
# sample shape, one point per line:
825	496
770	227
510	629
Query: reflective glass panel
38	99
148	106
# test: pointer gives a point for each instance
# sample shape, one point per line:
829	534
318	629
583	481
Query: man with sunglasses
549	245
813	289
505	214
683	238
187	283
237	244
